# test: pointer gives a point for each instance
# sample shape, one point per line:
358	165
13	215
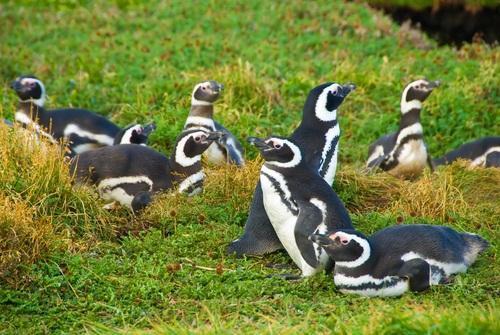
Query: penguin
404	153
228	149
298	202
484	152
125	172
399	258
134	134
318	137
81	129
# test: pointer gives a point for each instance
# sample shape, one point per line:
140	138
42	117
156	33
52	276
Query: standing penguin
298	202
483	152
82	129
129	173
318	137
403	153
399	258
228	149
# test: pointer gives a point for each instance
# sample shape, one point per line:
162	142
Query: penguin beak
216	86
347	88
434	84
320	239
215	136
16	85
258	142
148	129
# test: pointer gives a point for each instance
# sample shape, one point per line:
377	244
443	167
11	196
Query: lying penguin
81	129
228	148
130	173
484	152
298	202
318	136
403	153
399	258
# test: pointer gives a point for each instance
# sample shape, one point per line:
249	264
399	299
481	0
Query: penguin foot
111	206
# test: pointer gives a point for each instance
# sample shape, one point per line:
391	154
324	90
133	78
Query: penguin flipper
418	272
308	222
233	147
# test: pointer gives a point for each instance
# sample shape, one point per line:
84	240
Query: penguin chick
134	134
318	137
124	172
399	258
229	150
484	152
403	153
298	202
81	129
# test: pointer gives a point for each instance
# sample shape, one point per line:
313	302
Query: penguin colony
294	206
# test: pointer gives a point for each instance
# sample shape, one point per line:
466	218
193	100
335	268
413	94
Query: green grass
78	268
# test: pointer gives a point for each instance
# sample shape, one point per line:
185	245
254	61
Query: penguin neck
364	261
31	109
181	165
409	117
205	111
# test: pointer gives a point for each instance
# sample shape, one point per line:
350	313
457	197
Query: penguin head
206	93
29	88
192	143
325	99
278	151
347	247
416	92
135	134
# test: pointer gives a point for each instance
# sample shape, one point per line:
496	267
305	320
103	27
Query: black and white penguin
399	258
126	173
403	153
134	134
484	152
81	129
226	150
298	202
318	137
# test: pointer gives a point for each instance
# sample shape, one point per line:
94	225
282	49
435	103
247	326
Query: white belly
283	221
215	155
412	159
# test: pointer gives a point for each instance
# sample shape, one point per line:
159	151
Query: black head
346	247
135	134
419	90
192	143
206	93
323	100
278	151
29	88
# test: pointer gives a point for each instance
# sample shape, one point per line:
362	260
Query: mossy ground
67	265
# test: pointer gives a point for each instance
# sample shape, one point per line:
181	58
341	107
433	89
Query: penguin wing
378	151
308	222
233	147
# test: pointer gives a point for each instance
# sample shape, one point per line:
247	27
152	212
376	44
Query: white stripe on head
41	101
320	110
365	255
196	102
297	157
414	129
127	135
407	106
180	157
200	121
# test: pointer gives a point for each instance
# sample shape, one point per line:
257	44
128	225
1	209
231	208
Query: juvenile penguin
81	129
403	153
318	137
130	173
298	202
228	149
484	152
399	258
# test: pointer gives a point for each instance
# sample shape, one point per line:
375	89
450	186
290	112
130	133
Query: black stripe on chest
394	162
370	285
329	155
289	203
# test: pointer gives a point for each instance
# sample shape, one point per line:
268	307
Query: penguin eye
277	146
197	139
31	84
203	88
344	242
335	91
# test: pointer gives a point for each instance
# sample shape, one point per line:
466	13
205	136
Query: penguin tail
475	245
141	200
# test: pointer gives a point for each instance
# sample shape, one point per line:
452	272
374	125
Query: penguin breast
412	159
